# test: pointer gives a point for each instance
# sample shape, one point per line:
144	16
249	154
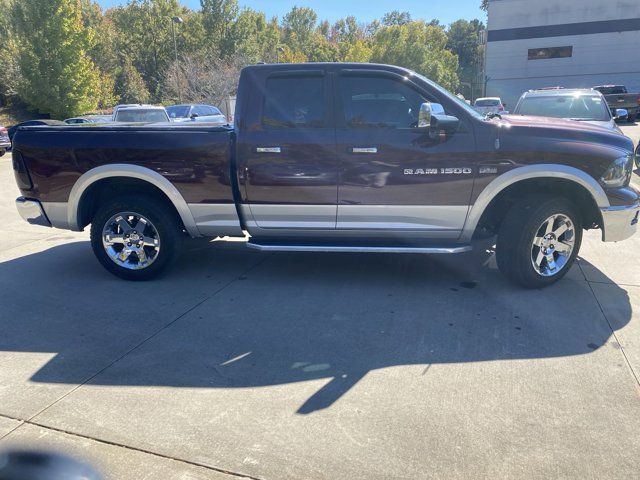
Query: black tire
632	118
164	220
2	152
515	244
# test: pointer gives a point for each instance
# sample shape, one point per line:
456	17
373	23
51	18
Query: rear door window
294	102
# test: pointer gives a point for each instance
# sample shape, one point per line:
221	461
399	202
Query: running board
356	248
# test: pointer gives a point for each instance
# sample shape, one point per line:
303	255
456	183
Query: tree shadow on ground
229	318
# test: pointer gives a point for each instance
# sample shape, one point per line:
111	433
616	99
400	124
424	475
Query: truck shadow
264	320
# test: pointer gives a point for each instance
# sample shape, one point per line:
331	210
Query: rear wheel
539	241
135	237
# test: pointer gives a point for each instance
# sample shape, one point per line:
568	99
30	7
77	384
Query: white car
140	114
196	113
489	105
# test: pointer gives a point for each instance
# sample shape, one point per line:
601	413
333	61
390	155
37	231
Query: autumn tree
58	76
418	46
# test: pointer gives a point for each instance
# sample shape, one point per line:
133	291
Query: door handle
268	150
364	150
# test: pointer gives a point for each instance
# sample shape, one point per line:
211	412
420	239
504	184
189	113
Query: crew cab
618	97
335	158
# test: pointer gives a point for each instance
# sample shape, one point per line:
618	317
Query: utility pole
175	20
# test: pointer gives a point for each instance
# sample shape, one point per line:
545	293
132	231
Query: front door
289	155
394	176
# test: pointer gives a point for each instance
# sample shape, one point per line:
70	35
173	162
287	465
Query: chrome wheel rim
131	240
553	245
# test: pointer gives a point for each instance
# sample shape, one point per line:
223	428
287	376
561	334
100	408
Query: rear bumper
620	223
31	211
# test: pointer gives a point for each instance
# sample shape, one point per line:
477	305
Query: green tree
144	34
129	85
218	19
418	46
254	39
396	18
9	69
299	26
58	76
464	41
360	51
485	5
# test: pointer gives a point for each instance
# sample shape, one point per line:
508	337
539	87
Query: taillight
23	179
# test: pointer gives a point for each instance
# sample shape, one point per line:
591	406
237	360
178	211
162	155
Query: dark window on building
295	102
379	102
550	52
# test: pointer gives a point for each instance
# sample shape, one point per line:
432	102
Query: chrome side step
356	248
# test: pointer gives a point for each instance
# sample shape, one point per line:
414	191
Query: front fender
516	175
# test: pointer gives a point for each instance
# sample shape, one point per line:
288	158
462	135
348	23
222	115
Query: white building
569	43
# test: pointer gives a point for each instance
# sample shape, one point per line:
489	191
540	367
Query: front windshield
141	115
575	107
178	111
470	110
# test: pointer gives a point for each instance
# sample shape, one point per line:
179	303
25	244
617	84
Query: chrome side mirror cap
427	110
620	113
424	117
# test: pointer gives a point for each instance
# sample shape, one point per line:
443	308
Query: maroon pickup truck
334	158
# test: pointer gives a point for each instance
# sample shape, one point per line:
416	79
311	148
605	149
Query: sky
364	10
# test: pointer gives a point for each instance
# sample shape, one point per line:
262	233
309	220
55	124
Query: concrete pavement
318	366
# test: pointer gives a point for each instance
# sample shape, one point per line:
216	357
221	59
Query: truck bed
195	158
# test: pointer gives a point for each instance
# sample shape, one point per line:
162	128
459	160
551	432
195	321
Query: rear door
394	176
286	151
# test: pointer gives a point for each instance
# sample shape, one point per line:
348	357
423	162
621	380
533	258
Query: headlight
619	172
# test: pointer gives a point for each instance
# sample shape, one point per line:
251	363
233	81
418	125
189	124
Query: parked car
5	143
619	98
583	105
196	113
76	121
489	105
89	119
32	123
141	114
382	173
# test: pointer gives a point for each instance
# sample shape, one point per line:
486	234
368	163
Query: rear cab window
294	101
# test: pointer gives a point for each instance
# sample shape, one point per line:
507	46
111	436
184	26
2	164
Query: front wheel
539	241
136	237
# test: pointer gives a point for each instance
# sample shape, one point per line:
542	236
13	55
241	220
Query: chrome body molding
619	223
356	249
132	171
402	217
31	211
524	173
216	219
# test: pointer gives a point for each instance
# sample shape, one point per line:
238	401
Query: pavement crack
128	447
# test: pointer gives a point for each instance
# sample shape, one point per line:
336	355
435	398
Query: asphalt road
318	366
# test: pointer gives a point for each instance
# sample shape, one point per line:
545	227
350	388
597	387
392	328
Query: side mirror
620	113
194	116
445	123
424	117
427	110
